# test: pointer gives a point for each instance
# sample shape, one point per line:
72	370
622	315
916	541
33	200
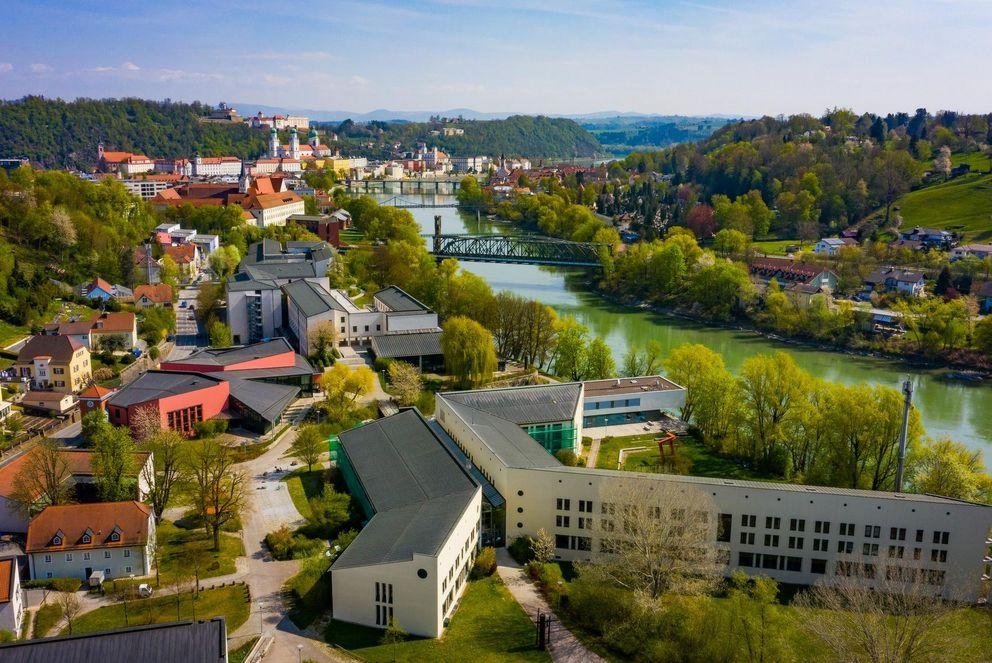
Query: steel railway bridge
518	249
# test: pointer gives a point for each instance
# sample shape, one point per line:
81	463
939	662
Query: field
488	626
705	463
180	545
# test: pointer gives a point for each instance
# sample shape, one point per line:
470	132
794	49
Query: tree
208	301
308	446
658	539
406	382
469	354
43	480
220	334
168	271
599	360
70	605
942	162
896	618
224	260
543	547
719	288
145	422
730	242
949	468
321	342
644	361
756	620
689	365
216	487
769	386
114	465
343	386
571	349
983	335
168	449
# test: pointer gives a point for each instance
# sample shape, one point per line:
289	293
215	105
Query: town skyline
663	58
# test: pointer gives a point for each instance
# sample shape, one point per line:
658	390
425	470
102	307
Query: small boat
964	376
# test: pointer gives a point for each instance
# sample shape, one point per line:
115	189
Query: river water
962	412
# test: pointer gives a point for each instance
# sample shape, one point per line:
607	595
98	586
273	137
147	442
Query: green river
962	412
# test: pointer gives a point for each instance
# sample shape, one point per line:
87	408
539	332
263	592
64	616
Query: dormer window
115	535
88	536
57	539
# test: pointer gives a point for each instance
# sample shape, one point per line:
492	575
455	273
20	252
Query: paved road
189	336
565	647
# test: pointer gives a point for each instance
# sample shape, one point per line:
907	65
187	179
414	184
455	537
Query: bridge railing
519	249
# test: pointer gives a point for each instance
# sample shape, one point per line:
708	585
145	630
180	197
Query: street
189	335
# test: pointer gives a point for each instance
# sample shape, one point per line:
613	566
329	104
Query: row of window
846	529
609	405
106	572
86	556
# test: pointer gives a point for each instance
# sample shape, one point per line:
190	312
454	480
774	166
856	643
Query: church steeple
273	143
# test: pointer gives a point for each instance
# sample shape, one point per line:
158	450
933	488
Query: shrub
210	428
521	549
393	634
127	359
153	352
65	584
344	539
485	563
103	374
279	543
567	457
330	512
382	363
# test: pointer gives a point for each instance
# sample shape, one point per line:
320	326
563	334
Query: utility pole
907	390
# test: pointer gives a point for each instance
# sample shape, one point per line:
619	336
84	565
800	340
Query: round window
520	525
520	493
520	509
421	573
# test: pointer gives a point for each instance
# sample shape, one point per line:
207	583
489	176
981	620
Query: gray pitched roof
507	440
535	404
397	300
311	298
173	642
407	344
152	385
416	487
268	400
238	354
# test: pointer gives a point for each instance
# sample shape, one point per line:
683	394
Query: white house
11	596
272	209
980	251
75	540
216	166
829	246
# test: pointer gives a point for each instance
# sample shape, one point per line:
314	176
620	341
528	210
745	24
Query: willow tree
469	354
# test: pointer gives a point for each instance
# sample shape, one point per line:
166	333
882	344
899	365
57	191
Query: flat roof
174	642
531	404
634	385
417	489
398	301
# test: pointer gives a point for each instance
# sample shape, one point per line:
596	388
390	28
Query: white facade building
11	597
216	166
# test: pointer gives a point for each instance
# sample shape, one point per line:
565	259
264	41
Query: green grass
180	543
49	614
310	589
963	204
609	448
241	653
230	602
777	246
10	333
303	486
705	463
487	626
351	236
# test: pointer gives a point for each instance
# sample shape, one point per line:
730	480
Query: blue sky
552	56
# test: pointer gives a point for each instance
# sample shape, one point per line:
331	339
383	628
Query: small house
895	280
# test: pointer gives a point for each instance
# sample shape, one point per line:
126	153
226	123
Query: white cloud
130	66
40	68
6	67
358	80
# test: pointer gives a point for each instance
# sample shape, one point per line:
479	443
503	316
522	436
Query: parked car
144	590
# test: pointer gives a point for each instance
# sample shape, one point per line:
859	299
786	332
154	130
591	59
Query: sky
532	56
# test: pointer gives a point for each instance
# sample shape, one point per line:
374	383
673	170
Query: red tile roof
101	284
95	391
183	254
128	519
160	293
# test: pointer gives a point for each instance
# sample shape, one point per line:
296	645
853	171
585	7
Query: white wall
410	321
12	612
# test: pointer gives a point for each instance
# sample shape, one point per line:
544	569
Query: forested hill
64	134
520	135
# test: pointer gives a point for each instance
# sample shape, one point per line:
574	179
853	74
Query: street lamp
299	652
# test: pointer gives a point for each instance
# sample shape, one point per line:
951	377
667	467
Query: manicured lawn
705	463
180	544
230	602
10	333
609	448
776	247
303	486
47	617
487	626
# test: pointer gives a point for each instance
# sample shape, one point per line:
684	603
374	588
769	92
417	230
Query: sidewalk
565	647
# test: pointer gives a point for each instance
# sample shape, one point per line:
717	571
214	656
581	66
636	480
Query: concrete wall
12	612
410	321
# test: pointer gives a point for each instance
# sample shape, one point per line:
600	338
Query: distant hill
378	115
622	134
64	134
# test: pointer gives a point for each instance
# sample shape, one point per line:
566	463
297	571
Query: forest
54	133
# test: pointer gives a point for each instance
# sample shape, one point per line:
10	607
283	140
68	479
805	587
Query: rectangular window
106	554
747	538
897	533
847	529
818	566
745	559
561	521
794	564
796	542
797	525
896	551
772	523
724	525
48	559
771	540
748	521
68	557
127	553
917	552
919	536
769	561
845	547
86	556
938	555
563	504
127	569
941	537
869	549
561	541
585	506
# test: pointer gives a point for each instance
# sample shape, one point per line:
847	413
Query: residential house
324	226
907	245
829	246
803	294
11	597
76	540
48	403
272	209
59	363
187	258
159	294
980	251
78	464
203	641
96	330
930	238
93	398
100	290
786	271
894	279
146	268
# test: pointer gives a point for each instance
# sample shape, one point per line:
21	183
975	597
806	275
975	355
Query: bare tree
166	469
406	382
891	619
217	489
145	422
71	606
657	536
43	480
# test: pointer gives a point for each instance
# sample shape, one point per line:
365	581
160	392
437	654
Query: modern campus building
797	534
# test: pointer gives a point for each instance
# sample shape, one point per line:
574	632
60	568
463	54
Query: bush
382	363
103	374
567	457
57	584
344	539
521	549
393	634
210	428
485	563
153	352
330	512
280	543
127	359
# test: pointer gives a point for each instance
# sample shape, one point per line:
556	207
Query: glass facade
339	455
554	437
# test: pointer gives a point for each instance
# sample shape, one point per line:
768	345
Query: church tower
294	144
273	143
313	140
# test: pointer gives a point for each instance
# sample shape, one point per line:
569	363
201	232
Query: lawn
487	626
705	463
180	544
230	602
351	236
241	653
10	333
963	204
609	448
776	247
48	615
303	486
